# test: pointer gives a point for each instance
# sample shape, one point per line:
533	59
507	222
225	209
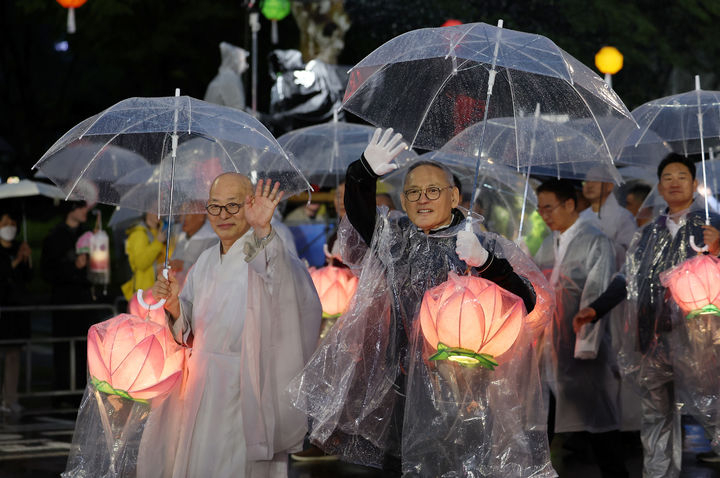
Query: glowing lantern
136	309
275	10
470	320
133	358
335	287
695	285
609	60
82	245
71	5
451	22
99	270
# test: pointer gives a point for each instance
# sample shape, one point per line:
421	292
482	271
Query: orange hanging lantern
133	358
71	5
335	287
138	310
695	285
470	320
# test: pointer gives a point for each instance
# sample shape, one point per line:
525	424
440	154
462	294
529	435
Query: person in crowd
616	222
253	315
584	387
197	235
660	245
313	212
145	249
385	199
370	390
634	199
15	273
66	271
619	226
227	88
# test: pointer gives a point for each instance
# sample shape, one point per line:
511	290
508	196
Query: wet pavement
37	446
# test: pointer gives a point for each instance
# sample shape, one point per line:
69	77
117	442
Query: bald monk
251	314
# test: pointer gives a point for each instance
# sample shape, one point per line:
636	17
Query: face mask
8	233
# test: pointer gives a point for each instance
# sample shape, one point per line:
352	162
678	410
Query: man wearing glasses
395	409
253	315
581	262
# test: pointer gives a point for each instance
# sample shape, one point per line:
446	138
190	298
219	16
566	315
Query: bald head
232	181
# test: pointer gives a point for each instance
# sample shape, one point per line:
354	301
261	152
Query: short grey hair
448	174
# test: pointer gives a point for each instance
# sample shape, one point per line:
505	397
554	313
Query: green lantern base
105	387
464	357
709	309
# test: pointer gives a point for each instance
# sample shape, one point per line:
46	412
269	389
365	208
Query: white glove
382	150
469	249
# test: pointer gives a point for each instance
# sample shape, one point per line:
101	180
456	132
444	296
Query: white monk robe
254	317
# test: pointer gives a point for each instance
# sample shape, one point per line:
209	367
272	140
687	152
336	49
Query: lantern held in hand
133	358
99	270
335	287
470	320
695	285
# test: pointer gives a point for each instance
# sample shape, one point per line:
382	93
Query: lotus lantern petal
470	320
335	287
133	358
695	285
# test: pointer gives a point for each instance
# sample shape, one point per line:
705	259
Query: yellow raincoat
144	253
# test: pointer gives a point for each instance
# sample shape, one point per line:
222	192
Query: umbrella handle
144	304
147	306
695	246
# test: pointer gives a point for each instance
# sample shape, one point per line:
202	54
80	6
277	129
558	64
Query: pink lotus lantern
82	245
335	286
133	358
470	320
137	309
695	285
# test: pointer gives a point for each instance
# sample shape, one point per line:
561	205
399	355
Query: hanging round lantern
99	270
470	320
275	10
335	287
71	5
451	22
609	60
133	358
695	285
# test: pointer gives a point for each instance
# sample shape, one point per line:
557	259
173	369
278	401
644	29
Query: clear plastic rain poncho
662	346
585	390
133	364
694	285
372	392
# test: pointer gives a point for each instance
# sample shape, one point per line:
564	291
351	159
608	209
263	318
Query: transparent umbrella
323	152
157	129
431	84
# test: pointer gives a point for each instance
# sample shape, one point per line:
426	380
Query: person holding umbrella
373	395
251	311
660	245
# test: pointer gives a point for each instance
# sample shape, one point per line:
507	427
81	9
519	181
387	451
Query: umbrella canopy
323	152
157	129
539	145
674	120
432	83
27	187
